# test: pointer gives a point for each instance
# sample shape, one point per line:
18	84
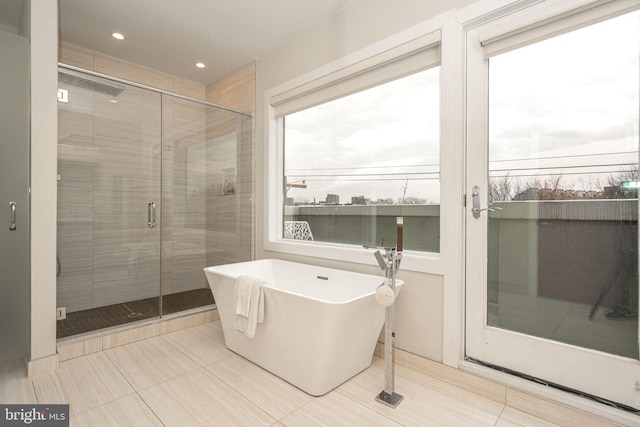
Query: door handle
12	216
475	205
151	214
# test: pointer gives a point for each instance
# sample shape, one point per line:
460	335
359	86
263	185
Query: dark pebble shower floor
93	319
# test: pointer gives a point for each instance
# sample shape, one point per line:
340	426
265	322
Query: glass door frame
590	371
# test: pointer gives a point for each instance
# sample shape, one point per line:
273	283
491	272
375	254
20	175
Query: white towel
242	295
249	301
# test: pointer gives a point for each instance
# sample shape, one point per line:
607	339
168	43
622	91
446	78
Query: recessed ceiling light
200	65
117	36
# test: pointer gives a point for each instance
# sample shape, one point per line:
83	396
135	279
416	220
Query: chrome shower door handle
12	216
151	214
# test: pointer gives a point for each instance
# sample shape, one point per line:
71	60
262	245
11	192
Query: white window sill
420	262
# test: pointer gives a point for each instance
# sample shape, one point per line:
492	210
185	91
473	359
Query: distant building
332	199
618	192
528	194
614	192
358	200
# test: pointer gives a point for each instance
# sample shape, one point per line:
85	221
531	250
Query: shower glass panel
152	188
109	148
206	197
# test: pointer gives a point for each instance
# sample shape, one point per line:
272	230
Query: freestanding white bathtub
320	325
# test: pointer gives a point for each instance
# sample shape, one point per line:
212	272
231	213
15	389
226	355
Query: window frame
388	52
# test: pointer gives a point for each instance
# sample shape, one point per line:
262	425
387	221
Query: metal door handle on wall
151	214
12	216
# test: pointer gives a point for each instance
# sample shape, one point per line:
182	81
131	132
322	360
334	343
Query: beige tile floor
189	378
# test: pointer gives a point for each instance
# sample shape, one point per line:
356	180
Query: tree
502	188
625	175
404	191
553	189
411	200
387	201
591	186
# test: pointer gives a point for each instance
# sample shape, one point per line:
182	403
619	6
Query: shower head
90	83
381	261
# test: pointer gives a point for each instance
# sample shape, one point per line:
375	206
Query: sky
567	105
390	130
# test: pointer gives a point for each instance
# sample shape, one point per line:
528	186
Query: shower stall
152	187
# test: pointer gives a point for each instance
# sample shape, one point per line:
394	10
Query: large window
355	163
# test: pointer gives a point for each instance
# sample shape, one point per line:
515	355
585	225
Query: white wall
42	30
421	308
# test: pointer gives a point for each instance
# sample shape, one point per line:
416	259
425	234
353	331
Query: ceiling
172	35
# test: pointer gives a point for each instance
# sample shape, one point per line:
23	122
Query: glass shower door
127	201
108	203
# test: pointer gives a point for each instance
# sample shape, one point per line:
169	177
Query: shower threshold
93	319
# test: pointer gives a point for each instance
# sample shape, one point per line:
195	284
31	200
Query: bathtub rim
211	269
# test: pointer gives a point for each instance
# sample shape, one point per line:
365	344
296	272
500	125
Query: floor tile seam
122	374
299	409
538	416
459	400
366	408
102	404
119	370
33	389
242	395
63	388
215	362
500	416
450	383
33	380
150	408
445	393
180	350
240	392
146	387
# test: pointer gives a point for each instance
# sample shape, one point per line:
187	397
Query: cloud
550	103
